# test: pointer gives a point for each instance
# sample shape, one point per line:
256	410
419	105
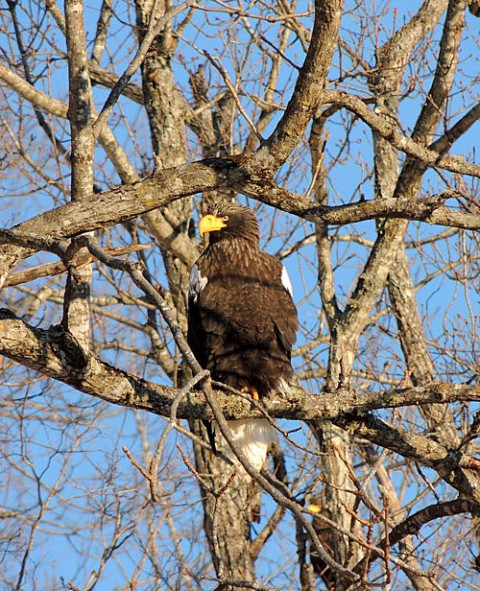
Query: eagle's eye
225	218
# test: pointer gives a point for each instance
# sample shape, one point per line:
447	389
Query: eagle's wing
284	313
195	335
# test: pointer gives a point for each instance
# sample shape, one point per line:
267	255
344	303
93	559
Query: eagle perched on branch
241	319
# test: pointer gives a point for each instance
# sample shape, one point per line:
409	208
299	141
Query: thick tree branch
120	204
76	304
125	202
308	89
413	524
40	350
459	470
53	353
38	99
434	106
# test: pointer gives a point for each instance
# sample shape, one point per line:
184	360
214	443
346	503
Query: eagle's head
228	221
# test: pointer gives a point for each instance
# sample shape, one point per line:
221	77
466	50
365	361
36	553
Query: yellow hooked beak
211	223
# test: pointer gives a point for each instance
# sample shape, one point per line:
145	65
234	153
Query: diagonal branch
459	470
154	29
402	142
413	524
118	205
58	267
308	89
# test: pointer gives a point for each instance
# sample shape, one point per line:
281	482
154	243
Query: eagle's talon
253	391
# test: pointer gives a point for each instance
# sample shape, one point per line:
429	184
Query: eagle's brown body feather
243	324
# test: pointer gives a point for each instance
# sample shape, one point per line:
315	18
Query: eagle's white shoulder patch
196	283
287	284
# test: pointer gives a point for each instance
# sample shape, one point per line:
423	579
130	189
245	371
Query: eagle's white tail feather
253	436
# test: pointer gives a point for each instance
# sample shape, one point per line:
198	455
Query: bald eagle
241	319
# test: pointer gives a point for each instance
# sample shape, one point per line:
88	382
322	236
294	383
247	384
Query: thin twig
58	267
140	468
135	272
157	456
234	94
154	29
